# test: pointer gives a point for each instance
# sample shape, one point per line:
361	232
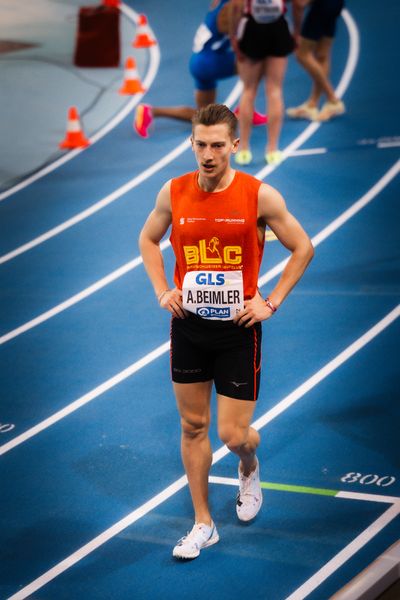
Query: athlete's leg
205	97
322	53
193	400
145	115
234	418
185	113
250	73
182	113
305	54
275	69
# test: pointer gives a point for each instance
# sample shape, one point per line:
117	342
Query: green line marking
299	489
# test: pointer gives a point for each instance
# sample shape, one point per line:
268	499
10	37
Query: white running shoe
249	498
304	111
200	537
330	110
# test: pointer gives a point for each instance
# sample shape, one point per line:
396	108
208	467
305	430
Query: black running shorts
320	19
262	40
204	350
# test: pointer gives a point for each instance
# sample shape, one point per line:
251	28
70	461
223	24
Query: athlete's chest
230	215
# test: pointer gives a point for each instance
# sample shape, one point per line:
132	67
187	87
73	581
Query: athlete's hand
172	301
235	46
255	310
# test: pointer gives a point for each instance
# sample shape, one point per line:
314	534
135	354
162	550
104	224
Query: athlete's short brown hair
214	114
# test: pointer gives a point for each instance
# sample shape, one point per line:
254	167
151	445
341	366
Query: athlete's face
213	146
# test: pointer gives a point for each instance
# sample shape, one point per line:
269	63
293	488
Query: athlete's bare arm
235	14
272	211
154	229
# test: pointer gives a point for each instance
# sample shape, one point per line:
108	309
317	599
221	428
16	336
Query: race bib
266	11
213	294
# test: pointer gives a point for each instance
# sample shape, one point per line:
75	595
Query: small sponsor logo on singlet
230	221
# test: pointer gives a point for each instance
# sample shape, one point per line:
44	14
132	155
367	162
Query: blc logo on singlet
211	254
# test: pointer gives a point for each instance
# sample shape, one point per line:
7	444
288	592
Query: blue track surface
89	431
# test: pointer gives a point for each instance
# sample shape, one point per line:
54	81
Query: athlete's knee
194	427
249	95
233	436
302	55
322	55
274	90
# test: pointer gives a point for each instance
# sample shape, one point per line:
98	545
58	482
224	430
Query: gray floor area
40	82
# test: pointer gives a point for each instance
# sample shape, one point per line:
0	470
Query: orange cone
143	38
131	83
74	137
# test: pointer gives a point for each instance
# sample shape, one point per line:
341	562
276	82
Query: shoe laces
198	528
245	484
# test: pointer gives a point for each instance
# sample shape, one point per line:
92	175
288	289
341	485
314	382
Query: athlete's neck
216	184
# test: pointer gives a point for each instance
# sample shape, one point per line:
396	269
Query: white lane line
394	144
307	133
100	539
164	495
308	152
98	205
23	437
320	375
95	287
368	497
349	495
88	397
341	219
147	81
344	555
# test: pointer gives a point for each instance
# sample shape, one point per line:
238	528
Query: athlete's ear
192	142
235	145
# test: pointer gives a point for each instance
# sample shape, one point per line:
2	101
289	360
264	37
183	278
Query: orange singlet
216	231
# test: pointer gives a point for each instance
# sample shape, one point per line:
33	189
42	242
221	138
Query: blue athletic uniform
212	58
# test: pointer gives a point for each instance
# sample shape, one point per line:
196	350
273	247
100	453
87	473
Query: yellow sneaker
274	158
243	157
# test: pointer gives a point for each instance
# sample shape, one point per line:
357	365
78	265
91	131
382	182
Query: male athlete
218	218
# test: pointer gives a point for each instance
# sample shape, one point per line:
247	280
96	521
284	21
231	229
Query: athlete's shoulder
185	182
248	180
270	201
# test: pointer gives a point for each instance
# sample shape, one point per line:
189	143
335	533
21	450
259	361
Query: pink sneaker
258	118
143	120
